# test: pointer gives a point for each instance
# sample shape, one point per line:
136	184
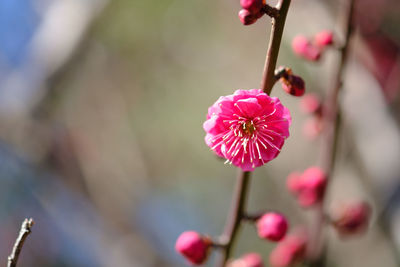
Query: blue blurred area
18	22
162	217
63	235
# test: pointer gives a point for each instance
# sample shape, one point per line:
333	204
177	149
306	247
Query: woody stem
332	124
237	212
278	24
236	215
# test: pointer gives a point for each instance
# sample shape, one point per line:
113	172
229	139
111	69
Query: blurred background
101	140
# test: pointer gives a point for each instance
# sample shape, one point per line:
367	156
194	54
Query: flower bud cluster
308	187
195	247
311	49
251	11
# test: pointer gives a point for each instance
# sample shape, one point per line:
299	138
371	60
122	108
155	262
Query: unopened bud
289	251
193	247
308	187
272	226
247	18
352	218
254	6
293	85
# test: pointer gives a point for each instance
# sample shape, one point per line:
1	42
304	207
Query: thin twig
237	212
332	116
23	234
278	23
235	216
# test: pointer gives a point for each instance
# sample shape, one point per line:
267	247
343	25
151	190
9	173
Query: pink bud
248	260
293	85
193	247
272	226
304	48
254	6
300	44
309	187
310	103
289	251
324	38
246	17
313	187
352	219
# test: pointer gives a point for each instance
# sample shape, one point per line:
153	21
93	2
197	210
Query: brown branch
273	12
237	212
332	117
278	23
235	216
23	234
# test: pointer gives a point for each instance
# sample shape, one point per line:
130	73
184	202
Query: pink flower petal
247	128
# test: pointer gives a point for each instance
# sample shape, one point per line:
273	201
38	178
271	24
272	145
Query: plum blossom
247	128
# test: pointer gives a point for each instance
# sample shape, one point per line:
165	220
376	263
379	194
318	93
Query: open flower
247	128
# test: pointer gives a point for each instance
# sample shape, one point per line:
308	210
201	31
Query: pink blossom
324	38
248	260
272	226
193	247
247	128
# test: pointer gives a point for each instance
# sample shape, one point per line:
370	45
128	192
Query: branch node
220	243
251	217
282	72
270	11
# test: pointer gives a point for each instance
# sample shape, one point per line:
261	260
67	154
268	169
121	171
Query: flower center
248	128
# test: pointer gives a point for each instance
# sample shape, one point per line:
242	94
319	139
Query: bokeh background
101	140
